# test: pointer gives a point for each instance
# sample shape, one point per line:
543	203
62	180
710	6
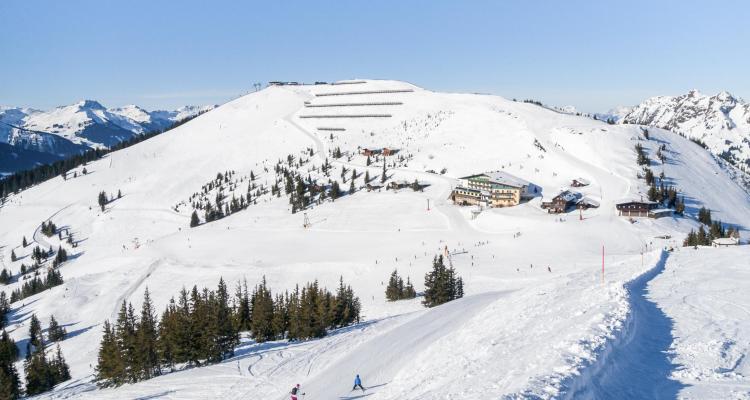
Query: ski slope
704	292
538	314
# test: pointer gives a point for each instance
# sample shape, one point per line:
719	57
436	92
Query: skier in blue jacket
358	383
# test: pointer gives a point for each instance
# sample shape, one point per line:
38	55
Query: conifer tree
243	307
35	335
60	369
194	221
335	191
227	337
262	314
146	339
5	277
38	373
55	332
13	256
110	367
441	284
392	292
126	340
9	380
102	199
24	243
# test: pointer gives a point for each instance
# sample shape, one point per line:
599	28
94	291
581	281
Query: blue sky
162	54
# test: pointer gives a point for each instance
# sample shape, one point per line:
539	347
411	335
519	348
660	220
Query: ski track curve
38	236
635	363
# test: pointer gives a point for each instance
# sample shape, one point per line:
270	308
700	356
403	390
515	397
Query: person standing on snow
296	391
358	383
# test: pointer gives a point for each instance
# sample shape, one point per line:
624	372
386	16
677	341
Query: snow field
523	330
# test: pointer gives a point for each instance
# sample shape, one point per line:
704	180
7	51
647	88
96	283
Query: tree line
203	326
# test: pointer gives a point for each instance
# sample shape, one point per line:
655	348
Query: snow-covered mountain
721	121
540	319
86	124
616	114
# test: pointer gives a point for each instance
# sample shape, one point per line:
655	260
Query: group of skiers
297	391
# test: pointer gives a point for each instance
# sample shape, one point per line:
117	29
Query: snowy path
635	364
39	237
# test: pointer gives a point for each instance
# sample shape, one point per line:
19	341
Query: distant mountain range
29	137
721	121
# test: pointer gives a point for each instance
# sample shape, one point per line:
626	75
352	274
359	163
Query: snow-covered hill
538	317
721	121
70	129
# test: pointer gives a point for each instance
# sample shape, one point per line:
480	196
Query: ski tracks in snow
134	286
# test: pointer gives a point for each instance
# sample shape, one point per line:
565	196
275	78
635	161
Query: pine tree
441	284
383	176
9	380
126	340
146	339
9	383
367	177
392	292
243	307
262	314
194	221
227	337
24	243
102	199
13	256
60	368
55	332
39	377
5	277
167	338
110	367
35	334
335	192
409	292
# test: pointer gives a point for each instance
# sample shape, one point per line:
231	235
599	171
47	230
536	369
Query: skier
296	391
358	383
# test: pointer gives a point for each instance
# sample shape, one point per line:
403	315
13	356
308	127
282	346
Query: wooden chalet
385	151
562	202
636	208
370	151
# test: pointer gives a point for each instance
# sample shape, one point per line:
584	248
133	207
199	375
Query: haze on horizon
592	55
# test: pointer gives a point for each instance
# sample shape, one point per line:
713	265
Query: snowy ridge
68	130
536	314
721	121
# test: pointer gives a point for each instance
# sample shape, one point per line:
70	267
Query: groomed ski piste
539	319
